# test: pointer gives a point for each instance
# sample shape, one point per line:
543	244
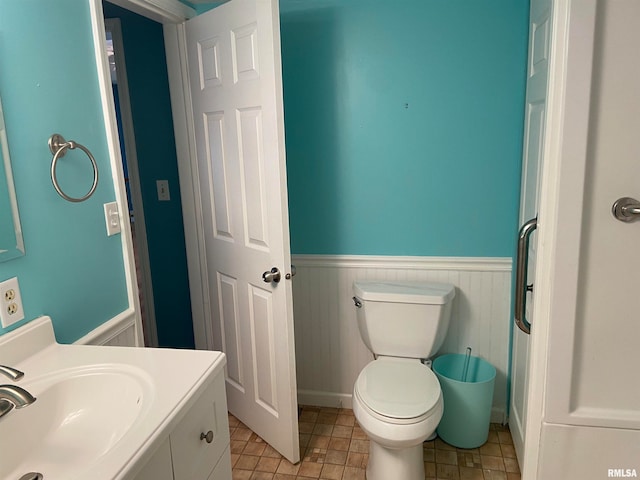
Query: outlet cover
11	310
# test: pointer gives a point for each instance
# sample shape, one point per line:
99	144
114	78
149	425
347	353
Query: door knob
626	209
272	276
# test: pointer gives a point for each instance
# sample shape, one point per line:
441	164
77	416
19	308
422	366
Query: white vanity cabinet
198	446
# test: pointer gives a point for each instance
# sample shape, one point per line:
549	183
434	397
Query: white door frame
149	324
171	14
564	154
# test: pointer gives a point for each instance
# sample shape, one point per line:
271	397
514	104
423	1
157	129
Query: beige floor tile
492	463
237	446
306	427
346	420
269	451
262	476
505	437
339	444
448	472
336	457
355	459
467	473
360	446
308	416
494	475
282	476
342	431
241	434
310	469
429	469
327	418
508	451
511	465
267	464
242	474
254	448
247	462
443	445
287	468
490	448
233	421
319	441
332	472
334	447
352	473
323	429
447	457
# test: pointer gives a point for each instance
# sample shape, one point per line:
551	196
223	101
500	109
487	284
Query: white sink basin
79	416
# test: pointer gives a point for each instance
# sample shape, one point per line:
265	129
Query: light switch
112	218
163	190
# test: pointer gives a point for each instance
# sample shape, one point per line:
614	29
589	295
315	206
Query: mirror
11	243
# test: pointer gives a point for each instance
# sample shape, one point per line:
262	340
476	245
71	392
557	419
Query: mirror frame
16	248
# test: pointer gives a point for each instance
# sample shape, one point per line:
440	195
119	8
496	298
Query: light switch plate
163	190
112	218
11	310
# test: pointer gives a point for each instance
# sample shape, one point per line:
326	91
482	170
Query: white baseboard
324	399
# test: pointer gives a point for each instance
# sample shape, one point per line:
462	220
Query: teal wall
48	81
404	125
203	7
155	145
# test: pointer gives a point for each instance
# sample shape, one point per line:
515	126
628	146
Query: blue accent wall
48	81
404	125
156	151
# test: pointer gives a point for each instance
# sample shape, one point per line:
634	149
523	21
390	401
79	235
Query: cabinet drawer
194	458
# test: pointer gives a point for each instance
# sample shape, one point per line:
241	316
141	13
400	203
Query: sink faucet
13	373
13	396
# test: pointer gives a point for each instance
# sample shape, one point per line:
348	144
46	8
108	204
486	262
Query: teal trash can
467	404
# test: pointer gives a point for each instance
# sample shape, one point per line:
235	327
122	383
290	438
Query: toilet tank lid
405	292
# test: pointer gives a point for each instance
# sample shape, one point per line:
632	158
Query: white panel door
236	86
592	395
535	109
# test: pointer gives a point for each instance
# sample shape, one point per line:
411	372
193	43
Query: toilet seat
398	390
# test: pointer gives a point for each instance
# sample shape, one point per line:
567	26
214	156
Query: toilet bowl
398	404
397	400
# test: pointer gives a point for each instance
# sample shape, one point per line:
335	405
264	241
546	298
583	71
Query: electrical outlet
11	310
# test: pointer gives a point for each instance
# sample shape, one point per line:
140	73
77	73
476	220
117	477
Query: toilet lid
398	388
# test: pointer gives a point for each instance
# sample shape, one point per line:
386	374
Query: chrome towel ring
58	146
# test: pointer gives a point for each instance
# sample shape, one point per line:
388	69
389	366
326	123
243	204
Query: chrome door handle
289	276
272	276
626	209
521	275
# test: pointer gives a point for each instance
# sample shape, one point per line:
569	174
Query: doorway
143	112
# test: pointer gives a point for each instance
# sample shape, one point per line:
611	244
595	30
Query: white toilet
396	398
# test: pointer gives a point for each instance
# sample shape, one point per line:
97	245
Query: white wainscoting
120	331
329	351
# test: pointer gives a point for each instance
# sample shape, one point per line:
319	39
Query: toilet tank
403	319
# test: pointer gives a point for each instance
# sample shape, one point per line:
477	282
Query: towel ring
58	146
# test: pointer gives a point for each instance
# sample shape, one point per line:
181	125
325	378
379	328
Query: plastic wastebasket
467	404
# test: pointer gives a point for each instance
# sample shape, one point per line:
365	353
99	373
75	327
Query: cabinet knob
207	436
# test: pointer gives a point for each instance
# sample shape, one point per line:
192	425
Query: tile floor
333	447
